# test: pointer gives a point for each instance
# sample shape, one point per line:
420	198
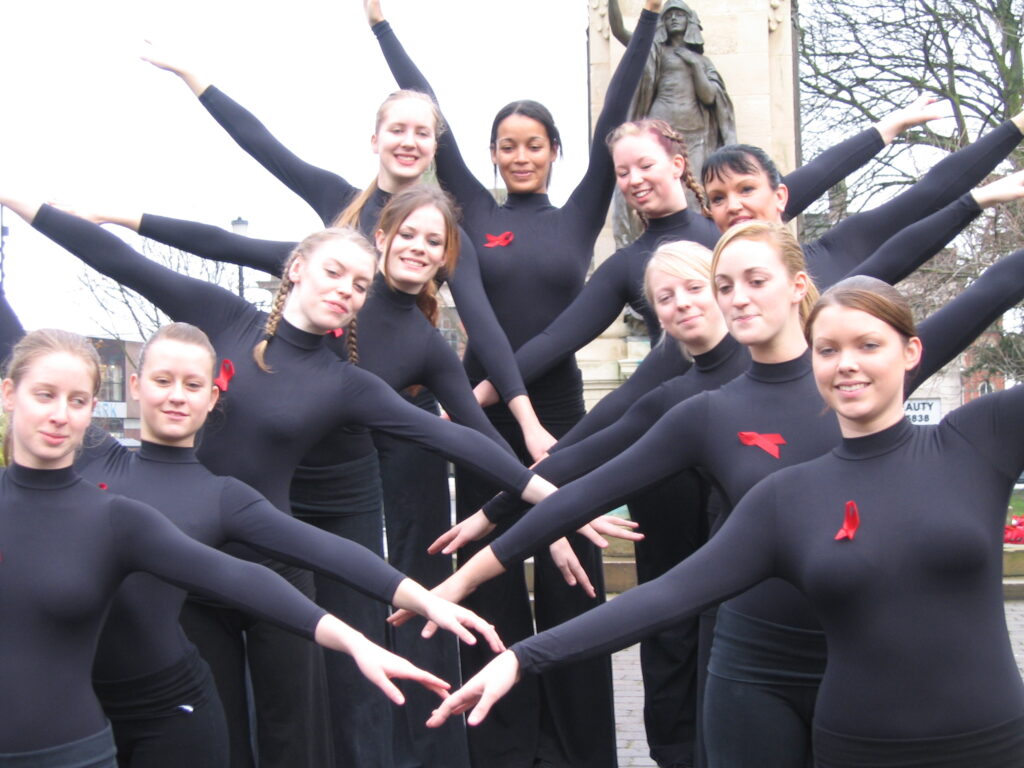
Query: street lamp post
240	226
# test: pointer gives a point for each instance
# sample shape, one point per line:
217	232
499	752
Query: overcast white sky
85	122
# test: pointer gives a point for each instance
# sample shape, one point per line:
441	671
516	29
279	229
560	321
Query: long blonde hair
303	250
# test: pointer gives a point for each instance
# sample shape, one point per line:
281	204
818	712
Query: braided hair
673	142
304	249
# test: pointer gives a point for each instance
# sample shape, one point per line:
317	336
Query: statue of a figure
681	86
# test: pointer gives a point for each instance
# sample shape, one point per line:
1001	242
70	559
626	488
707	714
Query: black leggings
764	676
288	683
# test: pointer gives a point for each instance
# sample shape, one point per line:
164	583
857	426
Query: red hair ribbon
499	241
851	522
227	372
338	332
769	443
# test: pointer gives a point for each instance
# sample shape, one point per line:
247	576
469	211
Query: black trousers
196	735
288	683
672	517
417	509
345	500
562	718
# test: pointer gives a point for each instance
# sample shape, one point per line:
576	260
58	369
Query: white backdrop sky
84	122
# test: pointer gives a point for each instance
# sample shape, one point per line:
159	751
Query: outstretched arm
372	403
251	519
182	297
325	192
216	244
147	541
904	252
742	554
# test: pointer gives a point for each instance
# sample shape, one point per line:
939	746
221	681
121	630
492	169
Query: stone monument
752	46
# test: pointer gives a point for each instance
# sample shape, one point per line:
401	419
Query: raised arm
183	298
811	180
949	331
325	192
851	241
593	194
451	168
907	250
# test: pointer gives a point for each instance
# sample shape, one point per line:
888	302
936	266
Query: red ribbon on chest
769	443
227	372
851	521
499	241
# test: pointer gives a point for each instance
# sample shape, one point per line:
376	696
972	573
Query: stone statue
681	86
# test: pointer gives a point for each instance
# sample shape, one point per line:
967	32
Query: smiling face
416	251
860	365
175	391
760	299
687	310
647	176
523	153
737	197
330	285
50	409
406	140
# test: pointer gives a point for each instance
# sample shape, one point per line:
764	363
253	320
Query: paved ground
629	693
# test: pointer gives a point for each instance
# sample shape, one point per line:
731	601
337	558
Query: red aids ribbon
102	486
769	443
227	372
851	522
499	241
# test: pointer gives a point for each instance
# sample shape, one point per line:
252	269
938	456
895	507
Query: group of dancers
821	580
